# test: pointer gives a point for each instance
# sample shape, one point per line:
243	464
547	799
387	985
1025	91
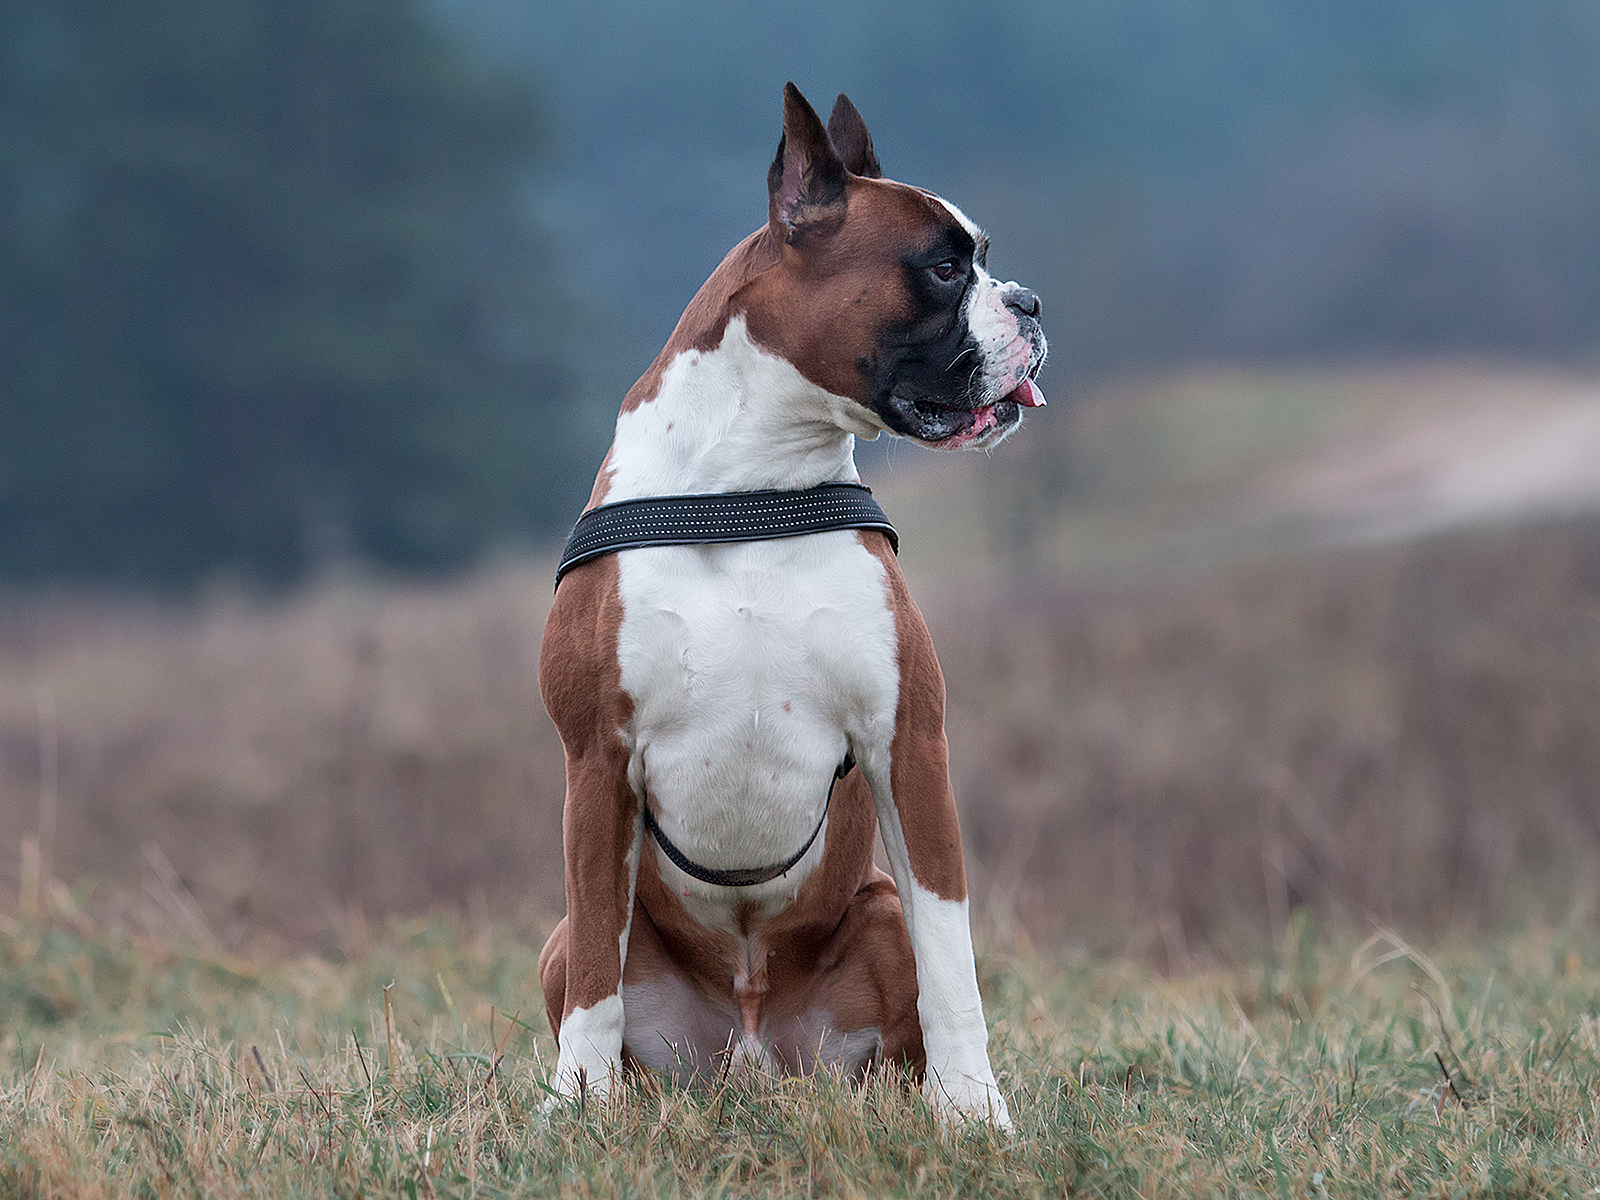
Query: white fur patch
1005	351
591	1049
736	418
959	1079
962	219
754	667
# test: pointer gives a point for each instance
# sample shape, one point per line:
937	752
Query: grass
1405	735
1170	743
135	1068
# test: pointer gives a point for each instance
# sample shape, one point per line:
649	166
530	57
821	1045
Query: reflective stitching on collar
698	520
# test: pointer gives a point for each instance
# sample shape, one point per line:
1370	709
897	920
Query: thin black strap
743	876
698	520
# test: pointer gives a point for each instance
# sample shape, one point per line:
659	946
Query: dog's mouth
949	427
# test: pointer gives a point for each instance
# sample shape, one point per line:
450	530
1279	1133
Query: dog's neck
719	413
732	419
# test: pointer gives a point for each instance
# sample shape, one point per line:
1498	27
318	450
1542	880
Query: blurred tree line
272	292
1180	180
271	296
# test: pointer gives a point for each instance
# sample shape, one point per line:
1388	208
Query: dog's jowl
740	716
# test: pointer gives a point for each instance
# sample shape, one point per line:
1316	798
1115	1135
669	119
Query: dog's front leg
922	836
603	830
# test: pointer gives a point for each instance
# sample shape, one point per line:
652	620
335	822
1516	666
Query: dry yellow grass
1170	729
353	749
1407	735
138	1068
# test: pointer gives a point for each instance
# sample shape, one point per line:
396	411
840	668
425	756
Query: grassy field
1171	722
1203	749
1173	476
1405	735
403	1067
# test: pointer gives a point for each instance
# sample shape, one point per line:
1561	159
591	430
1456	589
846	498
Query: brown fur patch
580	678
795	309
919	757
858	271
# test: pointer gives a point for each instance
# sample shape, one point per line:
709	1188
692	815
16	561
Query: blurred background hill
314	320
1180	179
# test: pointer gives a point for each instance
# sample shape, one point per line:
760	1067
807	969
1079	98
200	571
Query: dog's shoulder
580	675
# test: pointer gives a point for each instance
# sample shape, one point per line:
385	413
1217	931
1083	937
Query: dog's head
885	295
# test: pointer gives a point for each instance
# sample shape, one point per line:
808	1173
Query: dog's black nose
1023	300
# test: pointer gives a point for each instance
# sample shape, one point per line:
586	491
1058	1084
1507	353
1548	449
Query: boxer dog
724	687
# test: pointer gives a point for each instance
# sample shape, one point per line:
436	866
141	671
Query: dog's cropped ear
850	138
805	186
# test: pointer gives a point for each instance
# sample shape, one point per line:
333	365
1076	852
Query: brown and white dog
723	685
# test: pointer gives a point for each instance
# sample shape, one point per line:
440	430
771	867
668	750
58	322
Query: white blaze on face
1004	351
962	219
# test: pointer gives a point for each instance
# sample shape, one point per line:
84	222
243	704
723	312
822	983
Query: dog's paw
577	1089
967	1096
589	1067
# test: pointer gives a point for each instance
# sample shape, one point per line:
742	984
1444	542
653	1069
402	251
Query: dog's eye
948	270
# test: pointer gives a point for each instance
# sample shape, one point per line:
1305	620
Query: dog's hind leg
675	1024
553	977
851	1003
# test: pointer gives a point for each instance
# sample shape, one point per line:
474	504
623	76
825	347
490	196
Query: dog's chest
753	668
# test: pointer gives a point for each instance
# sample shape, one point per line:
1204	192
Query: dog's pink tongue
1028	395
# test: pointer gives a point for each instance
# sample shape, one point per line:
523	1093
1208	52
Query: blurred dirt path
1436	458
